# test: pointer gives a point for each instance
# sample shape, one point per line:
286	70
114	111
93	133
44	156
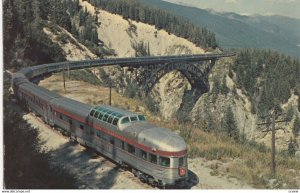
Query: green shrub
151	105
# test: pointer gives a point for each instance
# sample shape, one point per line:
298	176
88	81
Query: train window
153	158
125	120
115	121
104	137
98	134
112	141
122	144
100	115
110	119
92	112
143	154
81	127
105	117
104	111
114	114
141	118
110	112
60	116
70	122
180	162
131	149
96	114
164	161
134	118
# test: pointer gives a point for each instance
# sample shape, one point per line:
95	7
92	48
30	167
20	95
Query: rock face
169	93
241	107
215	102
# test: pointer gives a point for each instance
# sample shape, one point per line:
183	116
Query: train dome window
125	120
103	110
96	114
100	115
105	117
92	112
120	115
141	118
133	118
164	161
115	121
110	119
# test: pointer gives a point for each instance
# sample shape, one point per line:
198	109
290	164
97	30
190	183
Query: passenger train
156	155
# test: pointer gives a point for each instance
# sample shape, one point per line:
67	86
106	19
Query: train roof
162	139
39	91
158	138
72	107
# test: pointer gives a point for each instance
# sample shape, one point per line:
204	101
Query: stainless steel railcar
156	155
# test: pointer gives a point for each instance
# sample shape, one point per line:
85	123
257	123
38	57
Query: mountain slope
233	30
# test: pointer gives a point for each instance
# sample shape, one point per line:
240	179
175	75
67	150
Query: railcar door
50	115
89	131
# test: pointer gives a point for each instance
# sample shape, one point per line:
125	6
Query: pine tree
224	89
289	113
229	125
292	147
208	121
296	127
94	36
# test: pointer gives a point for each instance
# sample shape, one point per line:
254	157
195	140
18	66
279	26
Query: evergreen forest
268	77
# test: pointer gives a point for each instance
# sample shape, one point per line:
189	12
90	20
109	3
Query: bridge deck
41	70
141	61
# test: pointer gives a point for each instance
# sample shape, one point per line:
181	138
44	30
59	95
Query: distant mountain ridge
238	31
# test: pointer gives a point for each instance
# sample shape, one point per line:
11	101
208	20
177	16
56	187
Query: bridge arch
196	74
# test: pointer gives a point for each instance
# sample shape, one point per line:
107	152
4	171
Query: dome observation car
115	116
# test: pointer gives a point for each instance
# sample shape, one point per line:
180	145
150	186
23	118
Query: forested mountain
161	19
236	31
269	78
25	42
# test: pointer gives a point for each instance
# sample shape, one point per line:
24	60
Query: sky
290	8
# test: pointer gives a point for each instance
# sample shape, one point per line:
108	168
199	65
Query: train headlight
181	171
